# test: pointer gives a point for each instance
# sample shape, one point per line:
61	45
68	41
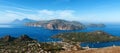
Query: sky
102	11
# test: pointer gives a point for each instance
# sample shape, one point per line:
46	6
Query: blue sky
79	10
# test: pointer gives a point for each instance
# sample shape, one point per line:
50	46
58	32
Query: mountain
23	21
57	24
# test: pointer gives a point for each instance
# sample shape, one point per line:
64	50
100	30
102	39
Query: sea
44	35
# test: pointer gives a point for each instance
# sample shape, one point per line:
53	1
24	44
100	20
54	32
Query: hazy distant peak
16	20
26	19
57	20
23	21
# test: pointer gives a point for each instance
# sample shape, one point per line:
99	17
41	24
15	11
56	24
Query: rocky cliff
57	24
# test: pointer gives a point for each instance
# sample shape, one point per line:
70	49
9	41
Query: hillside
95	36
25	44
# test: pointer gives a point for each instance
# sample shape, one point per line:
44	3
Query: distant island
57	24
95	25
21	22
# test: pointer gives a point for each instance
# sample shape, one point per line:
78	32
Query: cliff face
58	24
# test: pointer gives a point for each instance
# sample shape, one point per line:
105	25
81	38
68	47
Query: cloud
56	14
38	14
15	8
9	15
66	13
46	12
11	12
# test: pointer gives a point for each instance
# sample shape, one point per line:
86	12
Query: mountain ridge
21	22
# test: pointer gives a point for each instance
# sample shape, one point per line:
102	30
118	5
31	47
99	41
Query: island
21	22
57	24
96	25
95	36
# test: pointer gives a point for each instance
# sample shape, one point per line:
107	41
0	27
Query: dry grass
100	50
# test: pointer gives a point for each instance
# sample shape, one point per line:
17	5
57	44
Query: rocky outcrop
24	44
71	46
58	24
7	38
24	38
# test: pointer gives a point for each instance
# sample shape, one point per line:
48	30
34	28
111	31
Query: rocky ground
25	44
22	44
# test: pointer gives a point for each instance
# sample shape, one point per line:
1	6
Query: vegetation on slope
25	44
96	36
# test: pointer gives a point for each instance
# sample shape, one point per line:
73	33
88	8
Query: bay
44	35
